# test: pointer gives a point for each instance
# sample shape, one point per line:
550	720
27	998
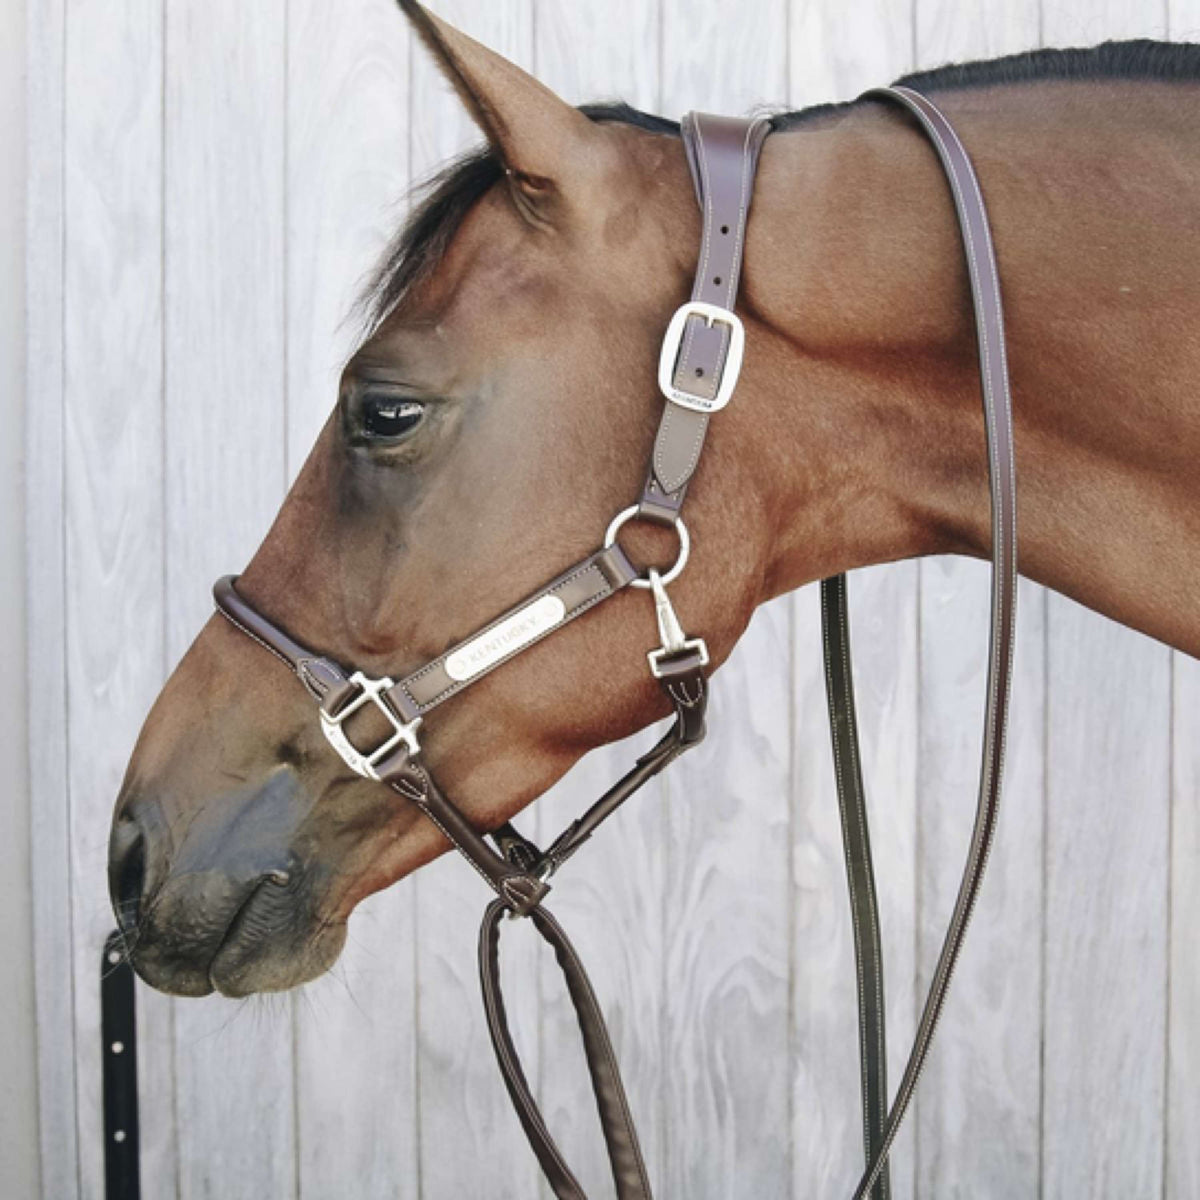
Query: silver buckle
668	357
670	632
371	691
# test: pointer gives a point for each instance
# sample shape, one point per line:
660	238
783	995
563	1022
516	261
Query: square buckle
371	692
668	359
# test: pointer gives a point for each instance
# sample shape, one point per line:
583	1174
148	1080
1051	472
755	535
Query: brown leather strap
722	153
616	1120
997	406
684	682
568	596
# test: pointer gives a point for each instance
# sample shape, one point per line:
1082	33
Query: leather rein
698	369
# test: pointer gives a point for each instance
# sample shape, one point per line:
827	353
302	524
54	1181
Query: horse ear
541	139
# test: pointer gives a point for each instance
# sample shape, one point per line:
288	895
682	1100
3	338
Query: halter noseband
698	370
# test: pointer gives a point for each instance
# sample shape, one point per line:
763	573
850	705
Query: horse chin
251	960
239	971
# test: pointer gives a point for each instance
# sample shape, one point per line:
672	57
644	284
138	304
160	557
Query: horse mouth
273	943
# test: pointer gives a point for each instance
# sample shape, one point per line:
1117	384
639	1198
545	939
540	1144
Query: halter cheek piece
698	369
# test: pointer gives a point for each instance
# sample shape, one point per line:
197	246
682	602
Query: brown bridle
698	369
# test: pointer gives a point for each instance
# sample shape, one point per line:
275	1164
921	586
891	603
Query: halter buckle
668	358
670	632
370	692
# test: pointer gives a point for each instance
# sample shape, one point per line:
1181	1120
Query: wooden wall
208	181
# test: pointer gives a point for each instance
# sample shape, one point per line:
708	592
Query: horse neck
863	371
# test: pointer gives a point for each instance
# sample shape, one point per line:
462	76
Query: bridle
698	369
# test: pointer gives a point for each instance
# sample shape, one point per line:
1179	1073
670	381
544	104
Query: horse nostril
129	880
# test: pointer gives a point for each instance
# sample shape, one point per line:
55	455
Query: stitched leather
722	153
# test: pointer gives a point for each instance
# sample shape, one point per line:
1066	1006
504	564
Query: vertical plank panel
112	429
347	169
1107	797
978	1108
50	832
1107	804
836	52
611	896
1086	22
1183	1032
471	1143
727	1039
225	446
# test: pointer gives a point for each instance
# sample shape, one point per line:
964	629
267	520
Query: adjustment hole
717	281
699	372
724	228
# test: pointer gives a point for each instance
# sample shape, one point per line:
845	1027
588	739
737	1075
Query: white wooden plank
113	518
347	163
978	1109
728	899
610	897
1107	804
46	616
470	1140
1086	22
836	52
225	445
1183	1005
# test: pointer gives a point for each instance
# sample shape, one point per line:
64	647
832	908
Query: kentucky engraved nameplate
524	626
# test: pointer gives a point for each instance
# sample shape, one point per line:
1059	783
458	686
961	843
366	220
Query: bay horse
498	410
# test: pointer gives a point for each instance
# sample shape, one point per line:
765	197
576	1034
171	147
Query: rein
698	369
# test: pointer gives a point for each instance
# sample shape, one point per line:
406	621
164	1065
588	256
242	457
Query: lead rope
997	406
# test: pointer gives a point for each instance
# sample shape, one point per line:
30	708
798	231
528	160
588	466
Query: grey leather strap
722	153
997	407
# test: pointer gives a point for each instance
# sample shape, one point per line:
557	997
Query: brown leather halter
698	368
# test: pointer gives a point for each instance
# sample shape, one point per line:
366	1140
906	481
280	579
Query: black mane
454	191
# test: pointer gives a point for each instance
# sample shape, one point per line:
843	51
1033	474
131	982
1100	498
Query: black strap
860	872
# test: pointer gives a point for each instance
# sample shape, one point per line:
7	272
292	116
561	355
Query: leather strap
997	407
722	153
860	871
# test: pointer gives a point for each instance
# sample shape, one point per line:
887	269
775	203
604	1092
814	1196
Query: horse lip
236	928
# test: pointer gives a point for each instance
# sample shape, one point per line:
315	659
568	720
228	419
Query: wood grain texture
727	1038
1182	1164
611	896
1107	806
979	1109
224	443
50	833
112	431
837	50
471	1143
347	170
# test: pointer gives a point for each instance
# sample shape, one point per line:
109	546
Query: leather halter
698	368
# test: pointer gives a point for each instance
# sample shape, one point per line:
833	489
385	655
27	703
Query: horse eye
389	419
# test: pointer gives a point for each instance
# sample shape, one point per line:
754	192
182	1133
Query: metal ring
685	546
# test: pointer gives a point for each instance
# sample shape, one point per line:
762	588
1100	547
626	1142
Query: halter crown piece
698	369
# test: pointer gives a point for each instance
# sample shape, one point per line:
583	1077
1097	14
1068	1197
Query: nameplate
524	626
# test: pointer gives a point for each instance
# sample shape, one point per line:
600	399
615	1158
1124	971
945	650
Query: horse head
496	416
